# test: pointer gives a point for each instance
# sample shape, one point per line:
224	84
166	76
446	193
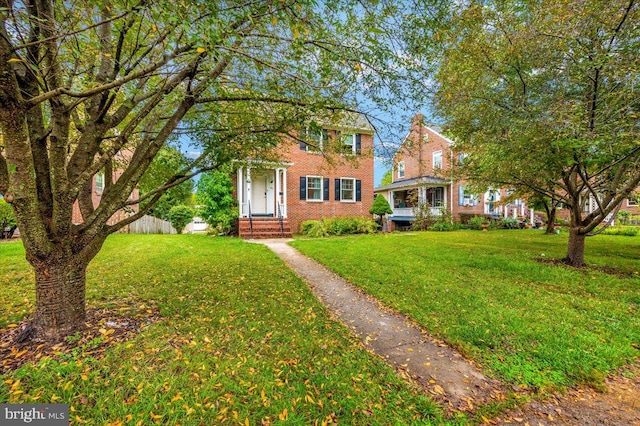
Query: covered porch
407	195
262	190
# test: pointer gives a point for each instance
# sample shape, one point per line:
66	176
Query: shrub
510	223
626	231
338	226
180	216
424	218
476	222
624	217
7	217
313	229
380	206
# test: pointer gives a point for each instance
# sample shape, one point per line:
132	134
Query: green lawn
529	323
242	340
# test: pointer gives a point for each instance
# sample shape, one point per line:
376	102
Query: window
400	169
465	198
437	159
314	188
314	139
632	202
461	158
100	182
435	197
348	143
347	189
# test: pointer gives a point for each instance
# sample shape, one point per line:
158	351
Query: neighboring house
97	188
274	198
422	174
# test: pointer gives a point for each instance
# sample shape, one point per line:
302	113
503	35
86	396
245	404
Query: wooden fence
151	225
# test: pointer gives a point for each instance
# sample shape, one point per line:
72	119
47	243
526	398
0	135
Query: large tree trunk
575	251
60	299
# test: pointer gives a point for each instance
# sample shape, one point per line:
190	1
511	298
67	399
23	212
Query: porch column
277	190
532	217
248	200
240	189
506	211
284	192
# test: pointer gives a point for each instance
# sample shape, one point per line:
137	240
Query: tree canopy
91	88
544	98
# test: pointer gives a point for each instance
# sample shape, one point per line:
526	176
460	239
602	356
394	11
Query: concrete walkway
443	372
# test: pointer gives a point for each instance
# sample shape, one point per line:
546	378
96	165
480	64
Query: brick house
422	174
97	188
274	198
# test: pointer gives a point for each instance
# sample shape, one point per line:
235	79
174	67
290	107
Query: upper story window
348	143
313	139
401	170
314	188
437	159
632	201
100	182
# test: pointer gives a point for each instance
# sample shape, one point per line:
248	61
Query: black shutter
325	189
358	144
303	146
303	188
337	190
358	190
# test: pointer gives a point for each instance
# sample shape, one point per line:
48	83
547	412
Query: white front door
259	194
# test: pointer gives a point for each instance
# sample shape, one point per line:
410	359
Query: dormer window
401	170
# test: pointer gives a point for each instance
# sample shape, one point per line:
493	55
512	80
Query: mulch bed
104	328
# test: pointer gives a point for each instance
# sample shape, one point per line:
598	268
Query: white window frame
632	202
400	169
321	188
324	138
468	199
100	182
353	190
346	136
437	154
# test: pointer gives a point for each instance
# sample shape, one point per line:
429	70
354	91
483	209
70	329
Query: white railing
409	212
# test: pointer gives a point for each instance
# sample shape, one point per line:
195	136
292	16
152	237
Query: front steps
263	227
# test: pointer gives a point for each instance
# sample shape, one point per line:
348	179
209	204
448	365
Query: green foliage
180	216
164	166
623	217
7	216
530	323
216	205
510	223
387	178
424	218
344	225
444	222
476	222
533	93
314	229
380	206
233	318
629	231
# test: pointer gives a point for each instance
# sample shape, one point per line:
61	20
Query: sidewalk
450	378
